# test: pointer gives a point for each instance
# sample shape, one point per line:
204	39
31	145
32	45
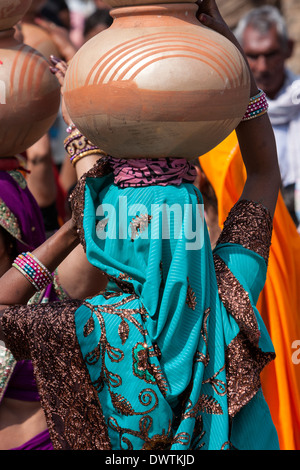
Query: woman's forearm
259	152
15	288
255	136
258	148
40	178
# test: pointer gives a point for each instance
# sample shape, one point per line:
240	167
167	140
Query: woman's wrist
52	252
69	233
16	287
78	146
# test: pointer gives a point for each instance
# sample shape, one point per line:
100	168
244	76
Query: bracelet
258	105
68	142
78	146
80	155
34	271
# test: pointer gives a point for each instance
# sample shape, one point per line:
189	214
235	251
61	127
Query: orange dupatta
279	302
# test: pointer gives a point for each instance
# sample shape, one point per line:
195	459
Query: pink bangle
258	105
34	271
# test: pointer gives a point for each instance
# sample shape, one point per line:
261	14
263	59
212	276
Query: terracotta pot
125	3
157	83
29	95
39	39
11	11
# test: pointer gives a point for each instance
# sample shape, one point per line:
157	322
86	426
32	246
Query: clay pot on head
11	11
29	95
36	37
157	84
134	3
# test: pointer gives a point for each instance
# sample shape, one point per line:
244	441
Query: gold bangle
78	146
77	143
86	153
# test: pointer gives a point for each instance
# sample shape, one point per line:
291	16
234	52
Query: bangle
78	146
34	271
86	153
258	105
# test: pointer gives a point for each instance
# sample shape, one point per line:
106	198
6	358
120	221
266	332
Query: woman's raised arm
255	136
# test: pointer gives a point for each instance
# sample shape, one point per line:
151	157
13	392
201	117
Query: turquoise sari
175	345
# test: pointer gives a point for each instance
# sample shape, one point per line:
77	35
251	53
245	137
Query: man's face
266	56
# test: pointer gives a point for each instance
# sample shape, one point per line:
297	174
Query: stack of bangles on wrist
258	105
34	271
78	146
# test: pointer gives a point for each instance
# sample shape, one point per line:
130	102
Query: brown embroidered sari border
249	224
244	359
244	364
236	300
70	402
76	199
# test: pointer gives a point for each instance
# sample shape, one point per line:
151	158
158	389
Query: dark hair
53	11
100	16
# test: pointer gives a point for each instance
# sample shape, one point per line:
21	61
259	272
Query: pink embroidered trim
146	172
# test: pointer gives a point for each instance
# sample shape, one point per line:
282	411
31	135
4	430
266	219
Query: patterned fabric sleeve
248	227
46	335
101	168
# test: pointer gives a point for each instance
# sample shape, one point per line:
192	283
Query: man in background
263	35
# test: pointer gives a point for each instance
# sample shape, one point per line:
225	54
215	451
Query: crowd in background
84	18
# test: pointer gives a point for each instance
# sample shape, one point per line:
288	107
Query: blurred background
72	14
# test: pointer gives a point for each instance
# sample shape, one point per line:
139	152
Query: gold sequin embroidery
9	221
139	224
101	168
250	225
19	178
190	296
70	402
244	359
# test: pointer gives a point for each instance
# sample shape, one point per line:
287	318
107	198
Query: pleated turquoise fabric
173	367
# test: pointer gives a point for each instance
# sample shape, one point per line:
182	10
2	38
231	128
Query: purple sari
20	214
39	442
